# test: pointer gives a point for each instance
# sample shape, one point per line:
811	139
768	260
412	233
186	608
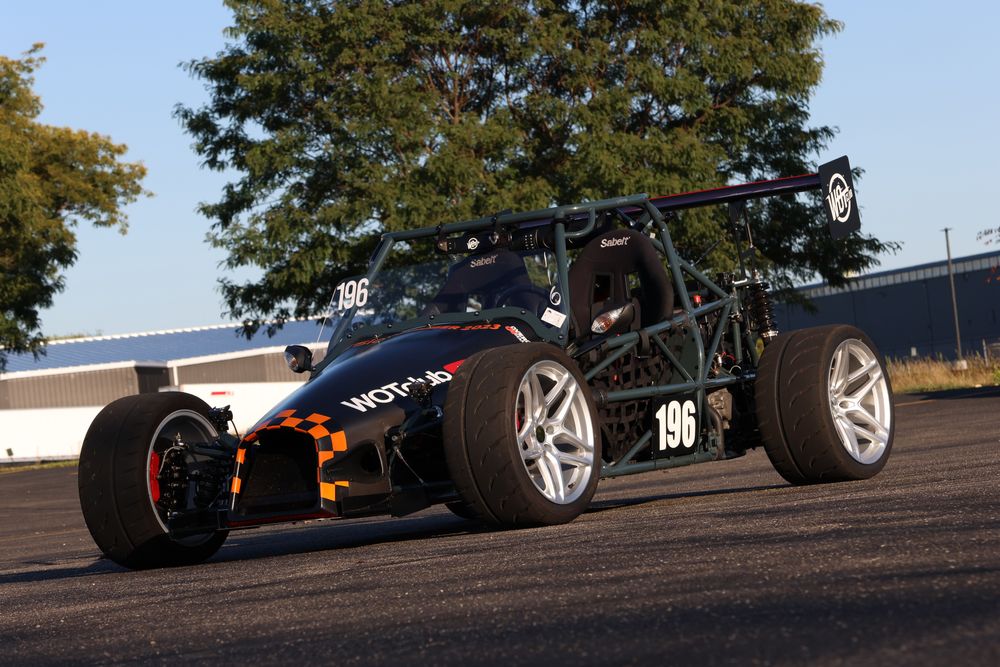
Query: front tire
521	436
824	405
119	493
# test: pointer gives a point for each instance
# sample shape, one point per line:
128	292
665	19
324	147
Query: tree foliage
346	118
989	236
50	178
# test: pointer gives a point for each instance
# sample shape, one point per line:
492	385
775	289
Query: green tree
346	118
50	179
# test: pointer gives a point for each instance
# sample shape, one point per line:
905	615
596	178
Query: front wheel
129	483
824	405
520	436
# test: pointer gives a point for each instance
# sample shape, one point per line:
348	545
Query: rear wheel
520	436
824	405
125	495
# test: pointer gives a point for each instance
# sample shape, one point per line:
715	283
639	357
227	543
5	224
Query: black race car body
502	366
337	424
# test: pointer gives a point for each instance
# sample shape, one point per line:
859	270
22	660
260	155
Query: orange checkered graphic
327	444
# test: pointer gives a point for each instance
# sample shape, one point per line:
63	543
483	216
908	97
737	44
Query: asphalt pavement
719	563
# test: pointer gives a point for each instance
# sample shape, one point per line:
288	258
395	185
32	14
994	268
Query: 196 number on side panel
676	426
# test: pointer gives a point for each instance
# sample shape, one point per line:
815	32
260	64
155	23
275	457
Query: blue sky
913	88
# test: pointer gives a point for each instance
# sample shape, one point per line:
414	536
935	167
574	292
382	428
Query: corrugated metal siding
151	379
79	389
261	368
907	315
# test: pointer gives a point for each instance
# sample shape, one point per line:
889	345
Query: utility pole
954	301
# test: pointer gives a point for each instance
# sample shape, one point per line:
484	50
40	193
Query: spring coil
762	311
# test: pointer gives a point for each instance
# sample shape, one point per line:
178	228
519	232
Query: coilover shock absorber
762	311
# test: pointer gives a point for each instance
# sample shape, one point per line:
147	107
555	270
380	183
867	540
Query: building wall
100	387
270	367
911	317
260	368
86	388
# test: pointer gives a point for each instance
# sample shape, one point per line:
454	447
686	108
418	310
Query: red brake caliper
154	470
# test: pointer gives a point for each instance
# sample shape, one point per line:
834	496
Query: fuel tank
333	428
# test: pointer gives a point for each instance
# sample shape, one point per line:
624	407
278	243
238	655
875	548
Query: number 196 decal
351	293
677	426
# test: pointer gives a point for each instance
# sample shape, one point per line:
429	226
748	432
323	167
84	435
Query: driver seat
481	277
613	269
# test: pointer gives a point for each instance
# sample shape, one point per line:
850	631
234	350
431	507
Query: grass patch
924	374
21	467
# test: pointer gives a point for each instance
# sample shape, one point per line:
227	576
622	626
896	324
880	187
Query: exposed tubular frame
578	221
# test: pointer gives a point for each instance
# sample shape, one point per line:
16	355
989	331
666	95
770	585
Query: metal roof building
97	370
908	312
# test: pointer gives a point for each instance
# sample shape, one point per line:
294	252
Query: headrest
486	274
619	253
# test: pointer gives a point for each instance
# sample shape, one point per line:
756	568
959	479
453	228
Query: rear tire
116	489
824	405
521	436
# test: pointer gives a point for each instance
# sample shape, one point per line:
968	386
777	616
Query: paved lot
712	564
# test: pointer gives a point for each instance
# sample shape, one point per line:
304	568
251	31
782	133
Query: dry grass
923	374
21	467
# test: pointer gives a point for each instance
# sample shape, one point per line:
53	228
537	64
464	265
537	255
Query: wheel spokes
879	432
556	473
840	373
526	429
867	387
862	415
570	438
575	460
547	486
550	398
861	372
556	440
537	399
847	436
566	405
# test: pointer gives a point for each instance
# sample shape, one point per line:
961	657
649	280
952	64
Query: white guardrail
52	434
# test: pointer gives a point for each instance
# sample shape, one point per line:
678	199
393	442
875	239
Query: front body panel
324	450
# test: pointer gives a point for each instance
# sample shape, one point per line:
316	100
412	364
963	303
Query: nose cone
367	389
326	441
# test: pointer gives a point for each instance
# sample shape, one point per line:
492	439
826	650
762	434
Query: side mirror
614	319
299	358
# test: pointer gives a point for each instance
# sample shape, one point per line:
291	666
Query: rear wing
833	179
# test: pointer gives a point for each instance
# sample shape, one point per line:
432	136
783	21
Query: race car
502	366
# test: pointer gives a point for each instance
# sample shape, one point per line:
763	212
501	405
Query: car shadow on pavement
618	503
99	565
338	535
247	545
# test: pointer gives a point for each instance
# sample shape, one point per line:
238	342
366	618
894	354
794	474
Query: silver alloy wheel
555	432
860	401
188	426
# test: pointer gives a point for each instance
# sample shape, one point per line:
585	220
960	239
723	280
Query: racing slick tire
118	486
824	405
521	436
